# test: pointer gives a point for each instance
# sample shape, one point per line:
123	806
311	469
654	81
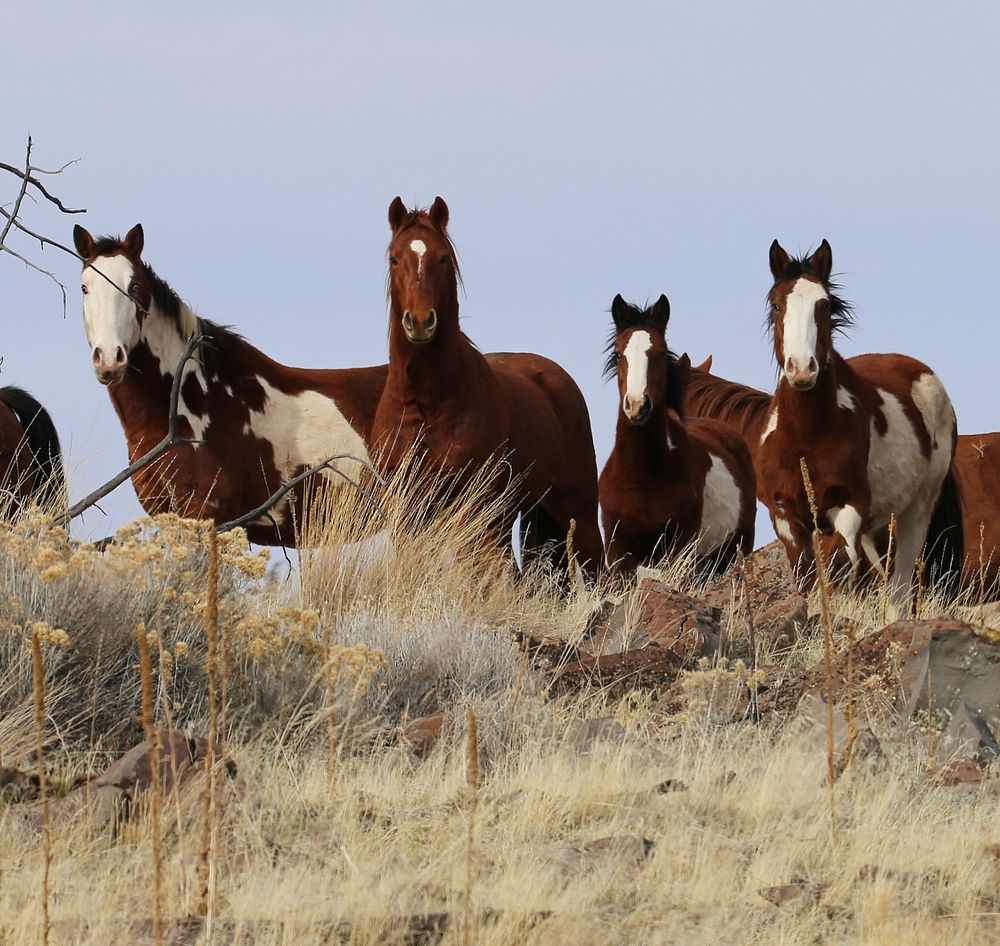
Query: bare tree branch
41	187
170	440
38	269
25	178
286	488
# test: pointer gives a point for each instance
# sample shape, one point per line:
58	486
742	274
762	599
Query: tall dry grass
334	831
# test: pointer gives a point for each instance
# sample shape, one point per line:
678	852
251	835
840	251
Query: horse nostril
408	321
120	356
97	357
812	364
431	319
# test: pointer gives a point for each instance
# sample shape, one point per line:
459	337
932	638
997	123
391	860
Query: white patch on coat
896	465
419	247
845	399
783	529
228	390
846	522
772	425
723	506
935	407
800	333
303	430
637	363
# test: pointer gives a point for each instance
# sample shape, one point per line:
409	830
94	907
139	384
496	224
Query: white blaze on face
419	247
109	316
799	325
636	357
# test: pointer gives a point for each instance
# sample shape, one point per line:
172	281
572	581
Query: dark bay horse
878	433
256	423
461	410
670	480
31	468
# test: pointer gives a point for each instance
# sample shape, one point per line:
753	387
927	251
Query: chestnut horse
461	410
977	470
669	481
31	469
254	423
877	432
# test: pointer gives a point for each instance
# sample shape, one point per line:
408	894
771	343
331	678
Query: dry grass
413	626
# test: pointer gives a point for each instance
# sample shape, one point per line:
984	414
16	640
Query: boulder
675	622
777	607
648	668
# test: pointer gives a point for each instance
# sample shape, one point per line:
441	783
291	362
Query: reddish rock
421	735
648	668
675	622
777	607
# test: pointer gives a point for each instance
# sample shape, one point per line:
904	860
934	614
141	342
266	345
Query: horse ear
779	260
660	313
134	241
619	309
83	242
439	214
822	261
684	367
397	213
706	365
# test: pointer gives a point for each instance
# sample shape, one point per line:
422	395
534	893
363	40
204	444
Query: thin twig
172	439
38	681
25	178
34	182
285	488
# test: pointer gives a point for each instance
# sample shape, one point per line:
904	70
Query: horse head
423	272
804	313
648	373
117	292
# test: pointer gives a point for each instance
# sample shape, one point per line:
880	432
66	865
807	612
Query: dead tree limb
286	488
34	182
25	178
172	439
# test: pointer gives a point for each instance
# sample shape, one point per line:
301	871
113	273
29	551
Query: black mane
638	317
841	311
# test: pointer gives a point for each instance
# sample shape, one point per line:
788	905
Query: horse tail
40	435
944	550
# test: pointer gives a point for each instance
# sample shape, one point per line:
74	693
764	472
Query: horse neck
426	373
812	411
142	397
651	449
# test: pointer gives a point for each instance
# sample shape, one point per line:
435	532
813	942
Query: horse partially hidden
670	480
460	409
31	468
976	468
877	432
255	423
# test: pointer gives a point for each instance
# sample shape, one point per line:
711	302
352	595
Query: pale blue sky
584	150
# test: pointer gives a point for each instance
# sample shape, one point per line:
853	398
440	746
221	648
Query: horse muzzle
637	410
420	329
110	369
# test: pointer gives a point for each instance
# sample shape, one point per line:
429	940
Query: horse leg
911	533
846	521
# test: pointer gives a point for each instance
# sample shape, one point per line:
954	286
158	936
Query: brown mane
738	404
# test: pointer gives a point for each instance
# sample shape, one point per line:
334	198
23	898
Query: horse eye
446	258
775	306
393	261
133	289
84	290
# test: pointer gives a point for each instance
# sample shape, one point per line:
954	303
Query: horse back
16	467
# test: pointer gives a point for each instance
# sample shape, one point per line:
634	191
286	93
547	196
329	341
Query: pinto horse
31	468
253	423
460	410
669	481
877	432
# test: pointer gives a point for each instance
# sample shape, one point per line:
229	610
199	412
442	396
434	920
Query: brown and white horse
31	469
670	480
877	433
461	409
256	423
